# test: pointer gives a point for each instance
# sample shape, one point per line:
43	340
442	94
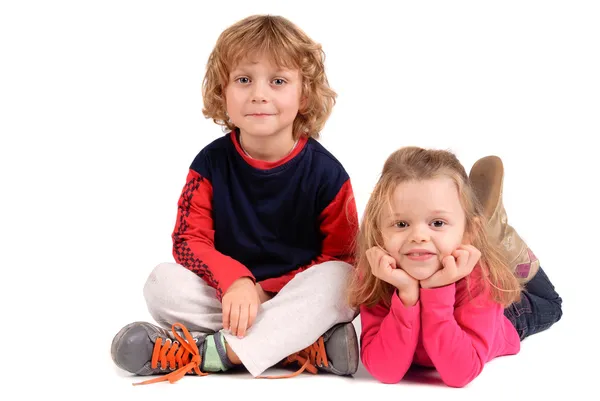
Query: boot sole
486	180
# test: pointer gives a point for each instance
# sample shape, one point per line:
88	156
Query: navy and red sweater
241	217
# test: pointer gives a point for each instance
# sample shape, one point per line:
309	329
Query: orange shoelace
181	355
309	358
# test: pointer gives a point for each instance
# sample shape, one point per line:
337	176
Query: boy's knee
158	283
336	271
331	276
331	282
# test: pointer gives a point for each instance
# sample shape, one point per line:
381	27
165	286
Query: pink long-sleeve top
455	330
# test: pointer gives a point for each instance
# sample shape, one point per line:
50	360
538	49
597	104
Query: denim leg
539	308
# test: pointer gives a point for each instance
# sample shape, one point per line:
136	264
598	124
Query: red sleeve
460	339
338	224
193	238
389	339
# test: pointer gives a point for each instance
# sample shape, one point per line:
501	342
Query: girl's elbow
387	378
458	380
384	374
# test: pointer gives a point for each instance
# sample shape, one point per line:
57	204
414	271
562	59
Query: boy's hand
456	266
262	295
240	306
383	266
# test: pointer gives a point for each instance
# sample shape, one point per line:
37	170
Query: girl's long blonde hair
417	164
288	46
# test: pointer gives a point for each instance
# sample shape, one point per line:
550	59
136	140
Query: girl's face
424	223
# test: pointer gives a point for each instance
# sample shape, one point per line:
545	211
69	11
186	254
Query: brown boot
487	176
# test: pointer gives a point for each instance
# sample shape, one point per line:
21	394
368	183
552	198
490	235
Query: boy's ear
304	91
303	103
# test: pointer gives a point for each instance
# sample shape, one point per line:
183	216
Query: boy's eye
243	80
278	81
438	223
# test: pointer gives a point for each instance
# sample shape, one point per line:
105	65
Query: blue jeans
539	308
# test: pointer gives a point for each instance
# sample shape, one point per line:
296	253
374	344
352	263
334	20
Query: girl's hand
383	266
456	266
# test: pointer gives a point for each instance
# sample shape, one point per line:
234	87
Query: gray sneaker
145	349
341	345
336	352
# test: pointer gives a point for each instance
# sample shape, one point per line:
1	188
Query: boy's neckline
265	165
239	138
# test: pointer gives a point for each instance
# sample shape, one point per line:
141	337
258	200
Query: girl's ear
469	234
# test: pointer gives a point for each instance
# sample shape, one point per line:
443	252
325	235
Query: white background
100	118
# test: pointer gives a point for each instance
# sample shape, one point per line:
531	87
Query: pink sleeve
458	341
389	339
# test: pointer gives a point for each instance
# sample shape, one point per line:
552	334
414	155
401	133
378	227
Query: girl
433	287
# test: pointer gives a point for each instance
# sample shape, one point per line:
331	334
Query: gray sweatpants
310	304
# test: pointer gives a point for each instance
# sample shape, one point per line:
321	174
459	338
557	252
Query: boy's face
263	99
426	222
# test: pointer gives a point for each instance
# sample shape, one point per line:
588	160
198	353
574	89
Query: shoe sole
486	180
353	351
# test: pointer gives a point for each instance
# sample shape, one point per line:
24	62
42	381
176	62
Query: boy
265	225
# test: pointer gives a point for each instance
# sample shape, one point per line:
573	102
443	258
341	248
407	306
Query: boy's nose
258	94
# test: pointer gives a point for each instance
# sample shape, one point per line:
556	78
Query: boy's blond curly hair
289	47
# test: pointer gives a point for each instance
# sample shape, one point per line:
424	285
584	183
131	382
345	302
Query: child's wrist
408	297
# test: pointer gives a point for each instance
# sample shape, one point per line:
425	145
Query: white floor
551	364
73	332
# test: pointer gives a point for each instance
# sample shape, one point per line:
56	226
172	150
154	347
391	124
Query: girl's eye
438	223
401	224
